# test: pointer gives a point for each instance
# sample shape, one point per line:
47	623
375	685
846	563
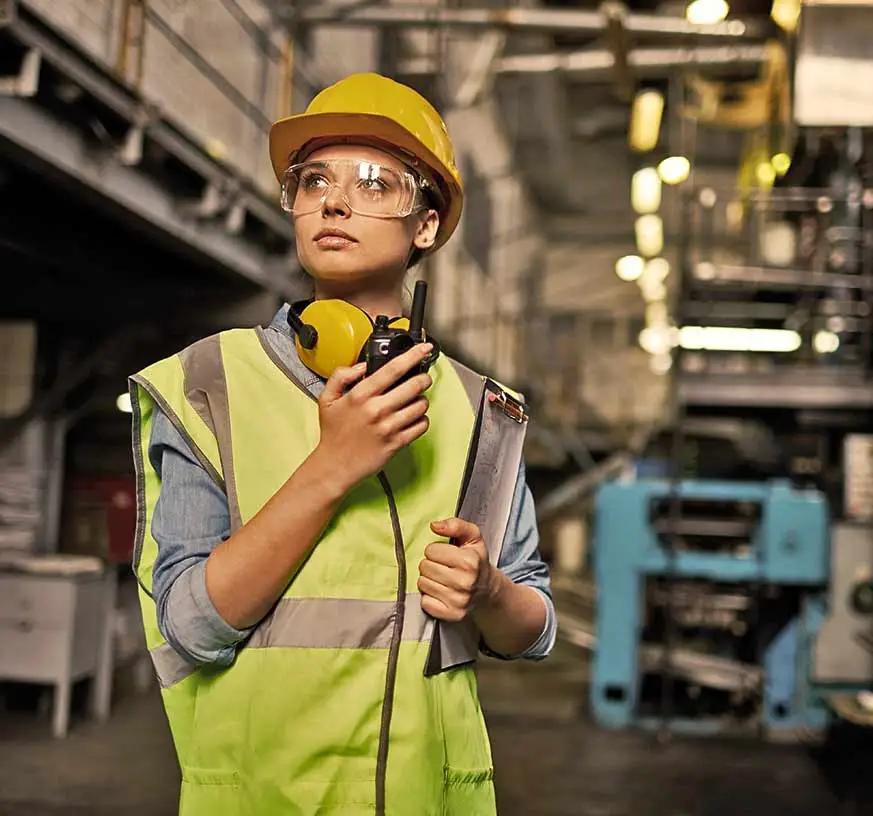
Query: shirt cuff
542	646
194	625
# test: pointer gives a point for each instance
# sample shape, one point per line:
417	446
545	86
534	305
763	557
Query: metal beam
49	142
642	62
619	45
599	64
8	11
792	388
567	496
26	81
127	105
530	20
481	69
763	277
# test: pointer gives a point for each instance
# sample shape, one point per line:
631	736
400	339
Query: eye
310	180
373	185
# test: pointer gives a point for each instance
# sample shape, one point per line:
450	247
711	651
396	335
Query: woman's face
377	249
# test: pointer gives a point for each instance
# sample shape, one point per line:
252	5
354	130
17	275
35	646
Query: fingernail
426	348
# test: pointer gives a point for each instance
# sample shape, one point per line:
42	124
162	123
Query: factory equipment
748	605
718	607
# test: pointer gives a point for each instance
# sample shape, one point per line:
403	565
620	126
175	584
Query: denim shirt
191	518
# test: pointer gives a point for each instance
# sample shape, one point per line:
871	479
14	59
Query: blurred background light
765	174
786	13
657	269
657	339
647	110
660	364
706	12
646	190
649	232
674	169
630	267
728	338
825	342
781	162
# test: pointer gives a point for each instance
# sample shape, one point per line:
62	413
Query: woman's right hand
363	426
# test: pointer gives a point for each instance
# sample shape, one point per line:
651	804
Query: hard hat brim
289	135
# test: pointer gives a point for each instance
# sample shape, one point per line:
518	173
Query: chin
347	270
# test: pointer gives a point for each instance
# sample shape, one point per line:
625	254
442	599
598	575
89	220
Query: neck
374	300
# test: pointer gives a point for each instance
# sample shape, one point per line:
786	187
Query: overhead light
649	232
707	198
785	14
645	121
660	364
778	243
706	12
646	190
652	290
674	169
657	339
765	174
781	162
734	216
825	342
123	403
726	338
657	269
630	267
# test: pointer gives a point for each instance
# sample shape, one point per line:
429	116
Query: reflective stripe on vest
315	623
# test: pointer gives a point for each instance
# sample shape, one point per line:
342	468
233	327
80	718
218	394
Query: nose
334	202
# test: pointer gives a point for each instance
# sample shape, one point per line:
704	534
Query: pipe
519	19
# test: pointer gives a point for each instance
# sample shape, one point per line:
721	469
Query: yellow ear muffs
335	332
342	331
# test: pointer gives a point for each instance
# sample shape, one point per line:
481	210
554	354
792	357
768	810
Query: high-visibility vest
347	698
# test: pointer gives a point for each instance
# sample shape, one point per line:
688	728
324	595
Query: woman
319	552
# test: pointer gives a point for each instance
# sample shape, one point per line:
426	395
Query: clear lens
367	188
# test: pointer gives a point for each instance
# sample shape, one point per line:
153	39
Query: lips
333	235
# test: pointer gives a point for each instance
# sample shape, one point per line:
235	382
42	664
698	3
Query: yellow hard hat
375	107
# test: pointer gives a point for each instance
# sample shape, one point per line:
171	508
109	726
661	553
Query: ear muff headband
342	329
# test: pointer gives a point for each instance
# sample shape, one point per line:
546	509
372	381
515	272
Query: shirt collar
287	349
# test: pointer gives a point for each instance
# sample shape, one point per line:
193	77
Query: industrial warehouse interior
646	234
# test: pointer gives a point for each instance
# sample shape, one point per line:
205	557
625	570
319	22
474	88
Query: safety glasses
367	188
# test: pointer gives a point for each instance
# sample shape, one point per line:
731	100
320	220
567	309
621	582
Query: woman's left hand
456	578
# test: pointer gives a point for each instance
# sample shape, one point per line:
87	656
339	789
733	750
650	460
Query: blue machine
742	569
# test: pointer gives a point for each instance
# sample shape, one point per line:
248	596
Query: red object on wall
100	517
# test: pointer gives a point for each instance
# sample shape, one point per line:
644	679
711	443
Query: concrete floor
550	760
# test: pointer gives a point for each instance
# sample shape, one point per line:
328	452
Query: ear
426	230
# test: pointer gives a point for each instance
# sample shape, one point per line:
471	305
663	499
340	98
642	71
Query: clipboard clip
510	406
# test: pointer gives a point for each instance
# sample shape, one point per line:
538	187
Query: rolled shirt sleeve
520	560
191	518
